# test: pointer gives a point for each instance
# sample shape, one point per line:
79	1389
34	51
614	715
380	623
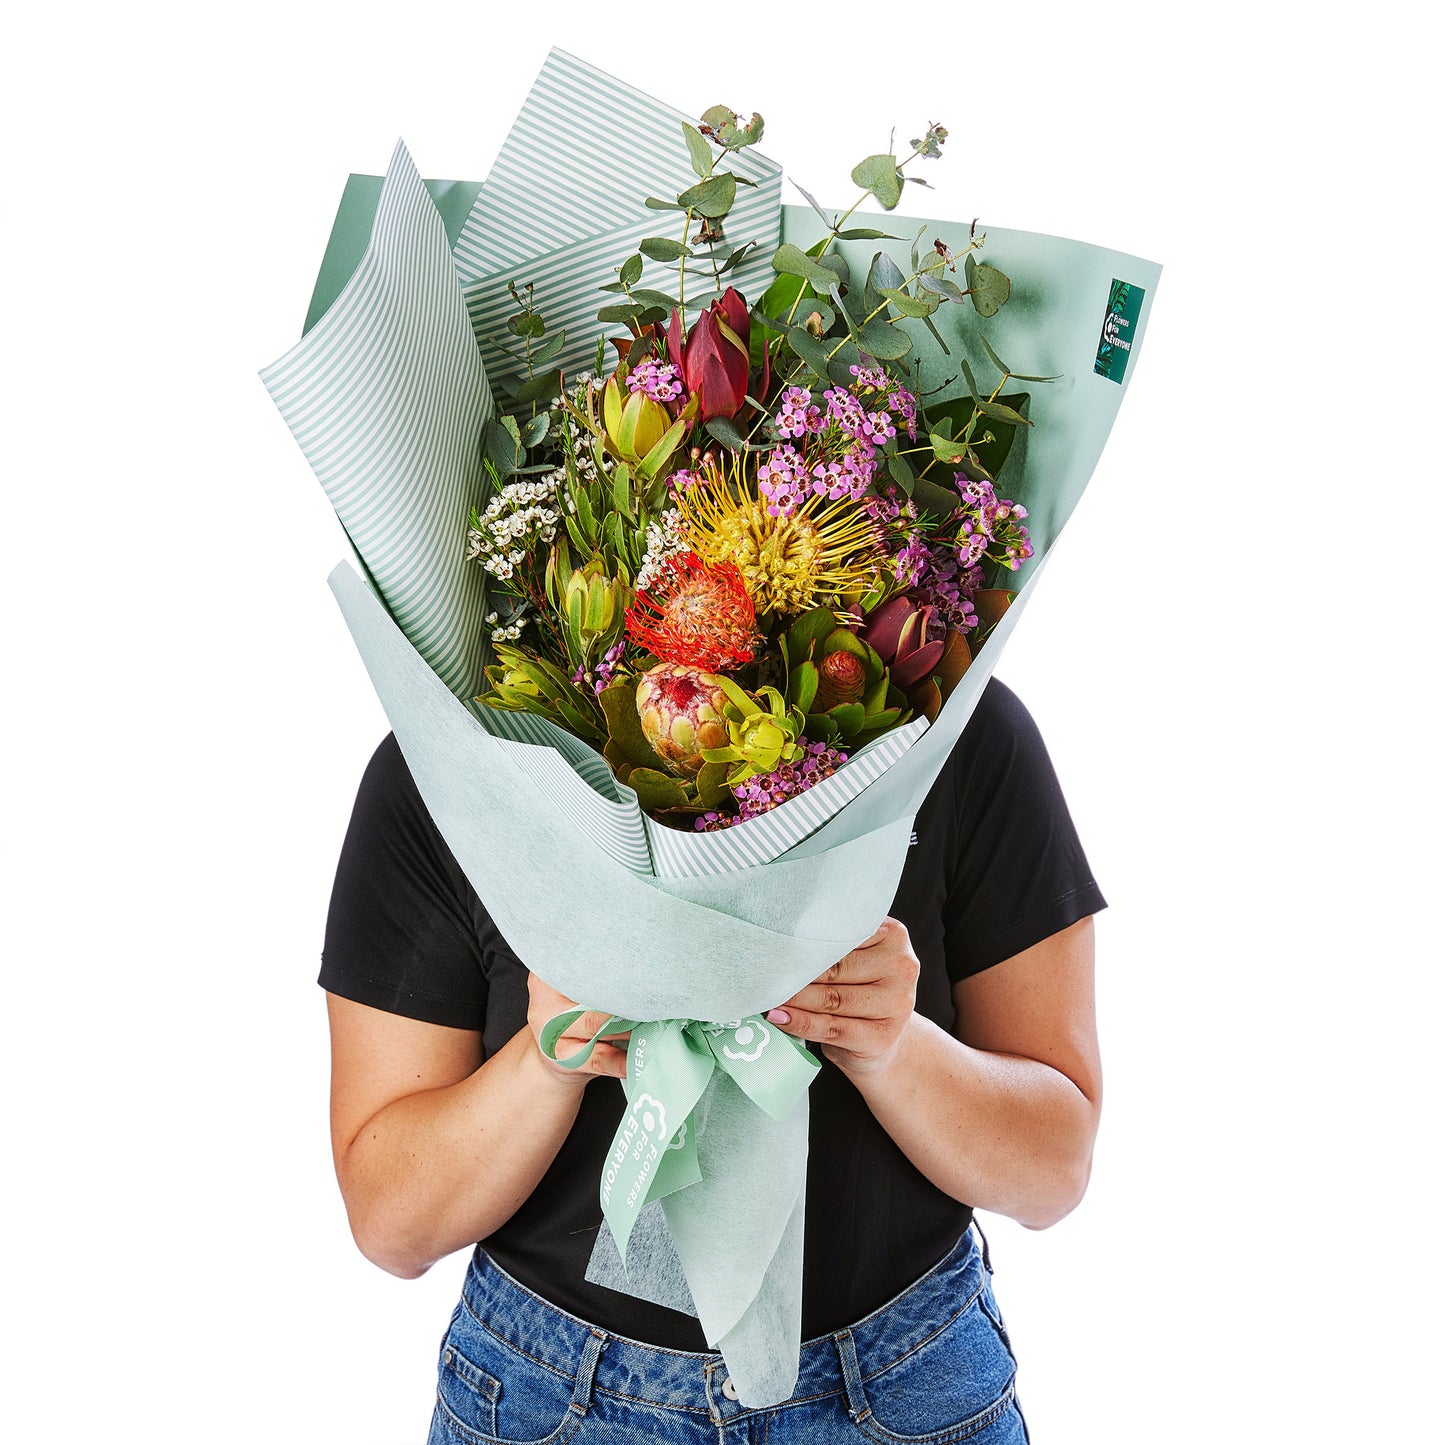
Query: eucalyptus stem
682	276
842	221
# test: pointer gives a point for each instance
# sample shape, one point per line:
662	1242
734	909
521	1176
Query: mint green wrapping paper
387	394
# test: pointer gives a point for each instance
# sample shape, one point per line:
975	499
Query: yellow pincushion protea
817	553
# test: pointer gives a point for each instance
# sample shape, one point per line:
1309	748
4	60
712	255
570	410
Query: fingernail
777	1016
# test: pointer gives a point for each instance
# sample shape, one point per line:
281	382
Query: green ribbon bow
669	1064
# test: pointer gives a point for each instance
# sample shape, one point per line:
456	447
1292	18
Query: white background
1232	658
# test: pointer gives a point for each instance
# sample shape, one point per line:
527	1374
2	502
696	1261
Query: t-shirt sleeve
400	934
1020	873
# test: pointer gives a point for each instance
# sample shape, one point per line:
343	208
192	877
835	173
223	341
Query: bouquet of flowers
678	606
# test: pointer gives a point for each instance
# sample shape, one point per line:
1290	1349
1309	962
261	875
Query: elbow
388	1252
1067	1188
384	1237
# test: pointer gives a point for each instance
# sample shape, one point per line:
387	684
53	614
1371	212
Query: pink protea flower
681	710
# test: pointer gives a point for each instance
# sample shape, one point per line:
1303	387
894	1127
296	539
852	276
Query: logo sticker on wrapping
1116	338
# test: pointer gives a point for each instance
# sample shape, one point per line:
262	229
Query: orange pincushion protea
696	613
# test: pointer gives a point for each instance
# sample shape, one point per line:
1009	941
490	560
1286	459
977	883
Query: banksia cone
841	679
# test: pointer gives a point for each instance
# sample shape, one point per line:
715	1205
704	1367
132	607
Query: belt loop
587	1372
852	1376
983	1243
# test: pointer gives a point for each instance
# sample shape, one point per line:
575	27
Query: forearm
437	1170
1007	1134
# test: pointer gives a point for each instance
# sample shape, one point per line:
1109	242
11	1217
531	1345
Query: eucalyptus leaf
656	790
1014	375
866	233
503	445
933	331
825	313
630	272
972	385
822	216
788	260
712	198
661	248
810	351
879	174
942	286
987	285
528	324
884	340
946	449
712	784
549	348
653	204
724	430
911	305
698	150
884	273
937	501
649	297
535	429
542	387
611	315
985	457
998	411
737	257
901	472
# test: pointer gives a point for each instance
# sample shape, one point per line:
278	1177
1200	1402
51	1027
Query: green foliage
789	260
699	152
988	286
879	174
724	126
520	682
502	445
660	248
712	198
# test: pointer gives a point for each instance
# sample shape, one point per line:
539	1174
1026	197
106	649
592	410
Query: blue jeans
933	1365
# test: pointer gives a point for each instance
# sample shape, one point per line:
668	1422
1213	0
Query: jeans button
730	1389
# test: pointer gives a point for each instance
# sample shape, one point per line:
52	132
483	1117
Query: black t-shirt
996	867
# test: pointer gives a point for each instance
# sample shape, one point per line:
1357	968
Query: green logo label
1117	336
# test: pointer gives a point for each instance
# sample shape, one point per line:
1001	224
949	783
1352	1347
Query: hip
932	1366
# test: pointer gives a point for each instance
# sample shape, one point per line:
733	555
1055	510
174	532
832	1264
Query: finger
846	1000
855	1035
604	1058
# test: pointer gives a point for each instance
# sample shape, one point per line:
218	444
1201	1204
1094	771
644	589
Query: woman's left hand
860	1007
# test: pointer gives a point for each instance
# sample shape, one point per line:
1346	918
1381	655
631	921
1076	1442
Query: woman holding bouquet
960	1070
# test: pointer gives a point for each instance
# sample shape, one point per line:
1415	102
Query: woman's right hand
544	1002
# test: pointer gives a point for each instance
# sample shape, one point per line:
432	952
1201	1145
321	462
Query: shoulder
1001	726
1000	748
391	833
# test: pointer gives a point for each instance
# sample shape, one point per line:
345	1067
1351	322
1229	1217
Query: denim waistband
678	1379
